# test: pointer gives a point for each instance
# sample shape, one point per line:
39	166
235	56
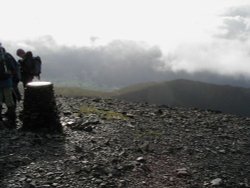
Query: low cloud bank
122	63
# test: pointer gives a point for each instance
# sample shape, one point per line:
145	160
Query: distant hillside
77	91
133	88
185	93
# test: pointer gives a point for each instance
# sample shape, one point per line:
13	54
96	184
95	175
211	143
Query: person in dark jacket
16	76
26	66
7	69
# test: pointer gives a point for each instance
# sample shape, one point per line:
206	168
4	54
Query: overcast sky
147	38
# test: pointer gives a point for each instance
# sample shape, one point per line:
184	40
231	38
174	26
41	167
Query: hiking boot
10	124
11	114
1	117
2	126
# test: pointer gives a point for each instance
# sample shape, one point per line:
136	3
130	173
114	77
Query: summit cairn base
40	112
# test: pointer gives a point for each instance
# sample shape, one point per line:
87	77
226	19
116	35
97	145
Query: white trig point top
39	84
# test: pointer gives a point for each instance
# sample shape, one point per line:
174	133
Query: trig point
40	112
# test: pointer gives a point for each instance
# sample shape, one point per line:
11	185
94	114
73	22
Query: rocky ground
110	143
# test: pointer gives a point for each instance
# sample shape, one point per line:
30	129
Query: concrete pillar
40	112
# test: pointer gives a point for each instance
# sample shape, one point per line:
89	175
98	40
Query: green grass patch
104	114
148	133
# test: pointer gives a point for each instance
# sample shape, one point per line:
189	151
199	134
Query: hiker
7	70
30	66
16	77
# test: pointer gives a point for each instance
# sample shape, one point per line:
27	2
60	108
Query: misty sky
116	43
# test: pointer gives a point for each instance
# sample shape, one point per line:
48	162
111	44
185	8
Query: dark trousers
16	93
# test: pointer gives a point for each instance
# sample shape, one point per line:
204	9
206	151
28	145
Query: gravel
112	143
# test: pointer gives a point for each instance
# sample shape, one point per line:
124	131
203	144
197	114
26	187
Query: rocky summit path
110	143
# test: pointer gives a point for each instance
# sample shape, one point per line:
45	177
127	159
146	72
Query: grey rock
216	182
141	159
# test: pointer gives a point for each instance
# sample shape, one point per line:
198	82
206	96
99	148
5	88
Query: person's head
21	53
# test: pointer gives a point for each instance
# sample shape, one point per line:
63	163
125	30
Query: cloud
242	11
226	54
119	63
236	23
122	63
222	57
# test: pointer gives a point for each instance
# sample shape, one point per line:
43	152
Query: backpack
37	67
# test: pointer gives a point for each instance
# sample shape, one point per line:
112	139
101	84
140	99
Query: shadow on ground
25	152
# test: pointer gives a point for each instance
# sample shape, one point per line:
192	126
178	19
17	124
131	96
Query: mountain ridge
179	93
187	93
